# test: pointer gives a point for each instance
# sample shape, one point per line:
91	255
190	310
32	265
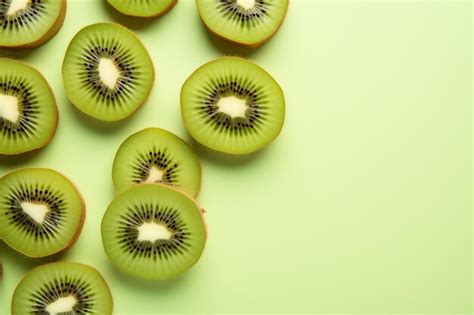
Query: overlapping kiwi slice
41	212
107	72
62	288
233	106
153	231
29	23
245	22
143	8
28	112
154	155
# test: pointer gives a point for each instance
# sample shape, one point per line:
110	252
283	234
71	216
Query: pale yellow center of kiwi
37	211
62	305
246	4
154	176
108	72
17	5
232	106
9	107
151	231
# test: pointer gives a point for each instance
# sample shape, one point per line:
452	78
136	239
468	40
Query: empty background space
363	204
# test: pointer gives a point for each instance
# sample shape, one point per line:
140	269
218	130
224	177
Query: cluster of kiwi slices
153	228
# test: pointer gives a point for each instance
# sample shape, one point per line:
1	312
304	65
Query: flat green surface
363	204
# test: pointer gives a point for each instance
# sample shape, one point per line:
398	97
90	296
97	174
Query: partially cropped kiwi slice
107	72
245	22
153	231
62	288
233	106
143	8
28	112
41	212
29	23
154	155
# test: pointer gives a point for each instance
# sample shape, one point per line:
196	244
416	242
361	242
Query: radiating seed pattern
24	18
252	17
158	158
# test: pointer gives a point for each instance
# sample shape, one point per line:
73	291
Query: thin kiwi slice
154	155
107	72
62	288
28	112
29	23
245	22
41	212
153	231
233	106
143	8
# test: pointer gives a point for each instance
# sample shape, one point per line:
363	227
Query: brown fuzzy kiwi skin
81	220
242	153
146	96
249	45
166	10
100	275
56	117
49	34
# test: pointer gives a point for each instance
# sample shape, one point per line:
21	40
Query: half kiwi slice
233	106
107	72
245	22
153	231
62	288
41	212
154	155
29	23
143	8
28	112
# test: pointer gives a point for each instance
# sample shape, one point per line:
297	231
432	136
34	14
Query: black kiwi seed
22	18
246	17
158	159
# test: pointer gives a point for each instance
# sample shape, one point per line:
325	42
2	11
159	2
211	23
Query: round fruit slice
41	212
62	288
153	231
245	22
154	155
29	23
233	106
107	72
28	112
143	8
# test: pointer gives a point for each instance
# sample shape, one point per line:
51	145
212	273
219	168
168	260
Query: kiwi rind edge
166	10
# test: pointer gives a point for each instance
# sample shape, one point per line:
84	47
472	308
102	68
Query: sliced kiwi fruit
154	155
153	231
107	72
62	288
245	22
143	8
41	212
28	112
233	106
29	23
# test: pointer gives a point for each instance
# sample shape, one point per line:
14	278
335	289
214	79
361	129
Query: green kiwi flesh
28	112
62	288
153	231
41	212
154	155
245	22
107	72
143	8
233	106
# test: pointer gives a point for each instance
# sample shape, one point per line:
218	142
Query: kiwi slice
153	231
62	288
233	106
29	23
107	72
246	22
143	8
41	212
154	155
28	112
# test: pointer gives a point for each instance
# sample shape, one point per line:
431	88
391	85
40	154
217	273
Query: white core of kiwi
151	231
108	72
246	4
154	176
36	211
17	5
9	107
232	106
62	305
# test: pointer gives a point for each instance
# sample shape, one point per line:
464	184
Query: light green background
362	205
